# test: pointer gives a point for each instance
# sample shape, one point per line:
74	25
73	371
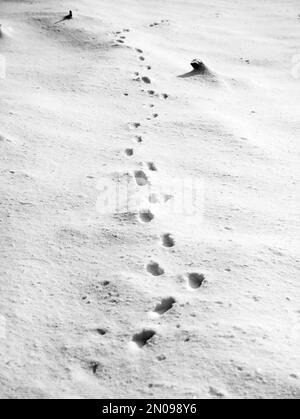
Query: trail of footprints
120	36
194	280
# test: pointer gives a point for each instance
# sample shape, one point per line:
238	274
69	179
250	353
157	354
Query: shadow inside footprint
141	339
152	167
165	305
168	241
141	178
146	216
129	152
134	125
101	332
154	269
146	80
139	139
195	280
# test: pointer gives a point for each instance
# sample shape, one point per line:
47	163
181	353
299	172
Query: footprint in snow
101	332
129	152
134	125
195	280
154	269
146	216
167	240
152	167
141	178
152	93
141	339
139	139
165	305
146	80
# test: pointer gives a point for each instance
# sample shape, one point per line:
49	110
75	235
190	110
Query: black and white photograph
149	202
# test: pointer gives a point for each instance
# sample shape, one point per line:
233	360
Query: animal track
146	216
134	125
146	80
154	269
101	332
141	339
152	167
140	51
154	116
129	152
165	305
141	178
139	139
141	58
158	23
195	280
168	241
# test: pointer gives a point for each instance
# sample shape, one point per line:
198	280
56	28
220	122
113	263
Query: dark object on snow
68	17
199	66
199	69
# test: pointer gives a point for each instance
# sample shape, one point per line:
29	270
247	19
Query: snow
110	147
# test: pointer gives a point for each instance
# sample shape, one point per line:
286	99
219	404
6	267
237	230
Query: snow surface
190	290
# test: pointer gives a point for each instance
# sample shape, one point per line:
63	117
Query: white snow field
191	288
